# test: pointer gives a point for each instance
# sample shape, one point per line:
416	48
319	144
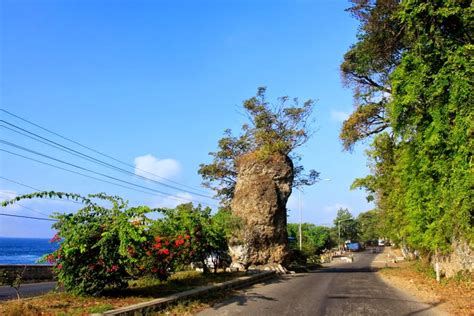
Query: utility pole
339	230
300	232
301	221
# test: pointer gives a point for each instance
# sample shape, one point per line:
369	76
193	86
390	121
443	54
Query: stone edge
156	304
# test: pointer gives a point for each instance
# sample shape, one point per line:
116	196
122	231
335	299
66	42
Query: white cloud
163	168
339	116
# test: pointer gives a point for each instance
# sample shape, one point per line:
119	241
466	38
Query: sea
24	250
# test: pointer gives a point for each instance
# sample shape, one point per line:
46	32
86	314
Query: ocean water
24	250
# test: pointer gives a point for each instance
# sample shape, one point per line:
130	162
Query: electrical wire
39	190
96	151
90	158
95	178
30	217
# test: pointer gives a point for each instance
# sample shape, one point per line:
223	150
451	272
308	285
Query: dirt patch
455	296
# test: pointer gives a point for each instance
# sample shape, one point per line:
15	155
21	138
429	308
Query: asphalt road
340	289
26	290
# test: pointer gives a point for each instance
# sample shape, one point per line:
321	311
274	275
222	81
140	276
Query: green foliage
207	234
346	225
315	238
99	246
367	67
369	226
102	248
273	129
421	167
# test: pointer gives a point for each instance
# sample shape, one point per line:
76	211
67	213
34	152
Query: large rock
262	190
461	259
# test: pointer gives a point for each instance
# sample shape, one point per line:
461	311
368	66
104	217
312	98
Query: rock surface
461	259
261	193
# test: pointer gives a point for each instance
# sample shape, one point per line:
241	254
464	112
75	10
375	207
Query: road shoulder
450	296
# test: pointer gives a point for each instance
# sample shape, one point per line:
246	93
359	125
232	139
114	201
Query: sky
154	84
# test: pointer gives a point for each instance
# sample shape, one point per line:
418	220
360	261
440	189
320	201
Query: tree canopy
415	98
346	225
272	129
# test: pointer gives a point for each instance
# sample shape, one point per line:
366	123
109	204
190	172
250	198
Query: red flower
51	258
157	239
55	238
166	251
60	266
187	237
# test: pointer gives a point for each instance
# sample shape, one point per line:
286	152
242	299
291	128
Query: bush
103	248
99	246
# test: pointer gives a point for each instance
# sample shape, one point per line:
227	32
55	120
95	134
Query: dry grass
139	291
456	296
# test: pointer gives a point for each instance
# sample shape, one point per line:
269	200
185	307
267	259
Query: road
340	289
26	290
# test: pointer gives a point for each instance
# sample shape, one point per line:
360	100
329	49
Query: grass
139	291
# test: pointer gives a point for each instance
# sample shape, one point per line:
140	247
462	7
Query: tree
315	238
369	226
347	226
279	128
421	164
367	67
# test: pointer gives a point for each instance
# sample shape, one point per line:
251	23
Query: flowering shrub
202	235
97	245
162	255
102	248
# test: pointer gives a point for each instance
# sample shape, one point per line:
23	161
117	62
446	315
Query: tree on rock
254	174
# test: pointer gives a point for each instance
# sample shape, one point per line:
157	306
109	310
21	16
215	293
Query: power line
39	190
95	178
30	217
27	208
72	171
91	171
89	158
96	151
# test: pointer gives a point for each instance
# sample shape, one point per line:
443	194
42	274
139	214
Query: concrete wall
33	272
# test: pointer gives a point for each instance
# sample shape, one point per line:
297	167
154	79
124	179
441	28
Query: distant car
381	243
354	246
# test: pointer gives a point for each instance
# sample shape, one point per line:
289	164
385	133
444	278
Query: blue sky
155	83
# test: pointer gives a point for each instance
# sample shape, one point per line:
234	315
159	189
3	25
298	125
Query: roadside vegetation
104	248
411	71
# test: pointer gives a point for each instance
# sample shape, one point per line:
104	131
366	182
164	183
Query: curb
156	304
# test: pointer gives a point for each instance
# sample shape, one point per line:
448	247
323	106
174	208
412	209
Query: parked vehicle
354	246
